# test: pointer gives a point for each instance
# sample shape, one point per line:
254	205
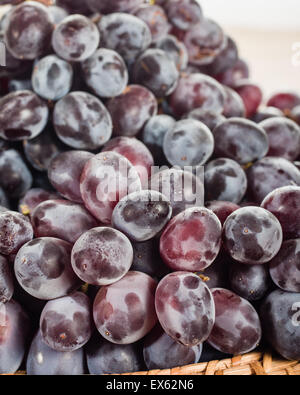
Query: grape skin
33	198
284	101
155	18
251	95
6	281
234	105
222	209
108	7
210	118
185	308
184	14
174	49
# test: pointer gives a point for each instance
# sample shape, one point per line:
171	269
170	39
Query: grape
225	180
188	143
174	49
42	149
81	121
62	219
43	360
64	173
295	114
124	312
6	281
185	308
216	275
271	173
74	6
156	71
237	328
126	34
65	323
153	135
105	73
43	268
102	256
131	110
251	282
204	42
234	105
107	6
33	198
252	235
210	118
197	91
162	352
14	325
251	95
106	179
184	14
284	137
266	113
284	204
136	152
182	188
222	209
142	215
155	18
285	101
52	78
104	357
226	59
23	115
15	230
75	38
28	31
192	240
284	268
19	85
230	77
15	178
57	13
280	321
241	140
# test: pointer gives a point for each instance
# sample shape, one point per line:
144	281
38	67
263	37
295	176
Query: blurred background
268	36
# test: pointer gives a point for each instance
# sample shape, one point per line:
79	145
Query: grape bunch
149	194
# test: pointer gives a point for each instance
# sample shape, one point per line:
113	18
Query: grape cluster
149	195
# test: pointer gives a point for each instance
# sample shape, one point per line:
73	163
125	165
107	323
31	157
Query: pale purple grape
33	198
6	281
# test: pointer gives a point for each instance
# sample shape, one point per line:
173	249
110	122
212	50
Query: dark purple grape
33	198
42	149
57	13
197	91
15	230
155	18
222	209
108	6
104	357
19	85
285	101
153	135
251	95
74	6
124	312
226	59
75	38
230	77
28	30
64	173
251	282
162	352
126	34
204	42
284	203
6	281
52	78
237	328
210	118
184	14
3	199
280	320
271	173
102	256
66	323
174	49
216	275
23	115
252	235
62	219
234	105
81	121
43	268
185	308
182	188
264	113
284	137
136	152
188	143
15	178
142	215
241	140
105	73
156	71
192	240
106	179
225	180
13	336
44	361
